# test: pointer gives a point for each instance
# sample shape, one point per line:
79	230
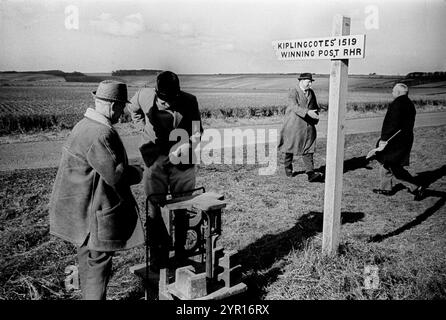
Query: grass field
29	103
274	222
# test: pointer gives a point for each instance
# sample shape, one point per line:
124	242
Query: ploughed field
38	103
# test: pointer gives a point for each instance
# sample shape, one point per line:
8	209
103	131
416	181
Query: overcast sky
215	36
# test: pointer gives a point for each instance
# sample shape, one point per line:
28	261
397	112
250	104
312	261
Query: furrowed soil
274	222
29	105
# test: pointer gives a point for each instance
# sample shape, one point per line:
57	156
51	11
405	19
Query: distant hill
247	81
419	78
141	72
49	72
50	75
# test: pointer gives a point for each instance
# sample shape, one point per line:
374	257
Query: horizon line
218	73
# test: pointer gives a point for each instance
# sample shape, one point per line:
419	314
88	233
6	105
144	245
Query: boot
419	193
314	176
288	164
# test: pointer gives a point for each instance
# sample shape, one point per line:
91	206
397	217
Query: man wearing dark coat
298	133
395	144
159	113
91	204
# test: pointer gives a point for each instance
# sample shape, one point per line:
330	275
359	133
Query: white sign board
340	47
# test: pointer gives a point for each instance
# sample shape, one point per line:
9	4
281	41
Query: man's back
400	116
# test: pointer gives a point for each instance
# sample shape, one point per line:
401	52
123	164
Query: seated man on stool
161	112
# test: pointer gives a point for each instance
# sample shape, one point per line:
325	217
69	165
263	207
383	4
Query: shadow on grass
351	164
267	252
426	178
419	219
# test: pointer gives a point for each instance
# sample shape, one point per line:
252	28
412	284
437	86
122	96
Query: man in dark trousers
393	154
298	134
91	204
161	112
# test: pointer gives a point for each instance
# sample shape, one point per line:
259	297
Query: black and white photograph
237	154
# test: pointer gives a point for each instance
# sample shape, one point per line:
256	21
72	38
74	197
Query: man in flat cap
163	114
298	133
395	144
92	205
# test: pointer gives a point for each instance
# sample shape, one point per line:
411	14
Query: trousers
307	160
94	272
393	174
160	178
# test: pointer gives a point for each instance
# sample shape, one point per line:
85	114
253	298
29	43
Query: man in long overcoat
298	133
395	144
91	204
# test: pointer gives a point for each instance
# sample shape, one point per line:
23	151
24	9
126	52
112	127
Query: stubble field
274	222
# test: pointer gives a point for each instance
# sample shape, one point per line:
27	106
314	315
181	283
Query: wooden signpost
339	48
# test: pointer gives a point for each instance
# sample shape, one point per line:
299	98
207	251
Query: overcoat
154	138
298	133
91	196
400	115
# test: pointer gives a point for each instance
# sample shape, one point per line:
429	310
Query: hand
313	114
195	138
382	144
174	156
182	149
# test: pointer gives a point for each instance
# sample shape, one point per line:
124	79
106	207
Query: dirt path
44	154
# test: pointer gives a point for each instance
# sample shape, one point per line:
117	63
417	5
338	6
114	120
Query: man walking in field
161	113
298	134
91	204
395	144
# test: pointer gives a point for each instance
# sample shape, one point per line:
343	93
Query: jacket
154	138
91	197
400	115
298	133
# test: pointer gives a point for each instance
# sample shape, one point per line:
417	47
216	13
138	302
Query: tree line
440	75
141	72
